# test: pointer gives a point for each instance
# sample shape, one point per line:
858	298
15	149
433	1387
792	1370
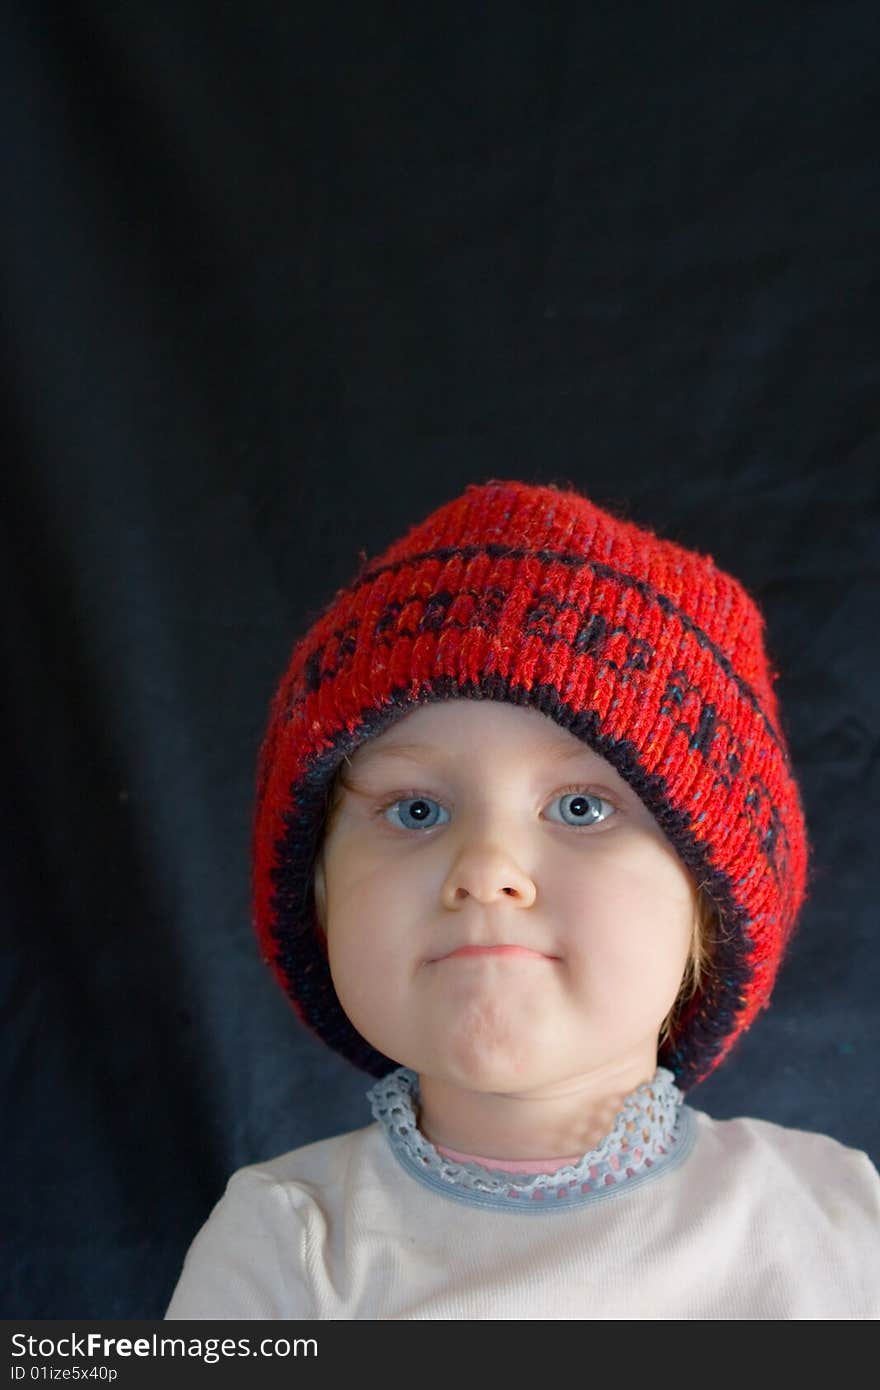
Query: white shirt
749	1219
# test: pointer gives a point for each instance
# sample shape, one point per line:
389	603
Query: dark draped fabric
279	279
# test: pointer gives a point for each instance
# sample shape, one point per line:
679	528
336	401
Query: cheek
357	967
629	915
375	891
369	973
371	940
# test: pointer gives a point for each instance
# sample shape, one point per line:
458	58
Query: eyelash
416	794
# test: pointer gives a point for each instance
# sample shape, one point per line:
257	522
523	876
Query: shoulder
249	1258
318	1163
820	1169
807	1147
291	1183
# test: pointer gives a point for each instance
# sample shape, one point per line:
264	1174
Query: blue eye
418	812
583	807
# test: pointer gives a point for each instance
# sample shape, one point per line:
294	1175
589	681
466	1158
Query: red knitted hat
644	650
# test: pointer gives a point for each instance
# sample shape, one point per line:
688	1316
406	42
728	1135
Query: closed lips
497	951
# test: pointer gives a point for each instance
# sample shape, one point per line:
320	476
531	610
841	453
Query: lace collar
653	1131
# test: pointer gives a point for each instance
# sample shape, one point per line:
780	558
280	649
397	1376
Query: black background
279	279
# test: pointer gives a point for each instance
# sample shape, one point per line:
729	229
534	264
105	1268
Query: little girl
528	850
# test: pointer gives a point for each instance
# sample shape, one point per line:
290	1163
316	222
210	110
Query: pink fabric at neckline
516	1165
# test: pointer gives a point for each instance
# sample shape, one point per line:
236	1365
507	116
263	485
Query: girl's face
502	911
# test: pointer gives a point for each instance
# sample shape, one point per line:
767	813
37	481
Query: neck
558	1119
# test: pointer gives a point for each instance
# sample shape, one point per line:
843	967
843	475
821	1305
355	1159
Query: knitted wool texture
641	648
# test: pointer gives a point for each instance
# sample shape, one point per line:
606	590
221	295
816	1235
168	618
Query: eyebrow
553	752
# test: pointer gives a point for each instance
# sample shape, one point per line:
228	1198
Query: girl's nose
487	874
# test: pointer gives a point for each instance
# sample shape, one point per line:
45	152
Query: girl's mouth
497	951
